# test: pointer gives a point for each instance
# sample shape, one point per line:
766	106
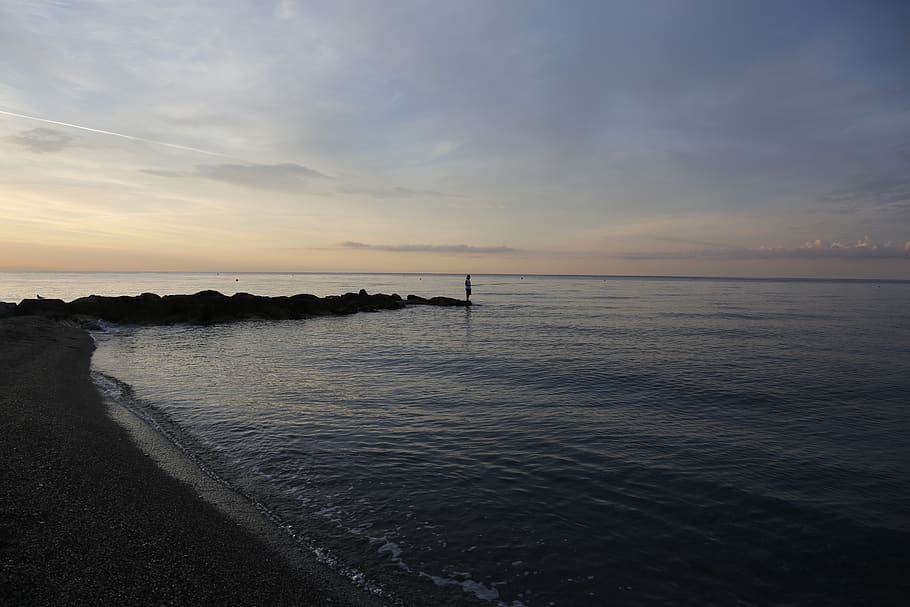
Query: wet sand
88	514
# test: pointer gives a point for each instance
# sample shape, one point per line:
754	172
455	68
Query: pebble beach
88	517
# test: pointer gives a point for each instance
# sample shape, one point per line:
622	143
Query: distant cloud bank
42	140
261	176
427	248
864	248
397	192
284	177
287	176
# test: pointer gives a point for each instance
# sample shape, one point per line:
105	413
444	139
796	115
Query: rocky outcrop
437	301
207	307
7	309
49	308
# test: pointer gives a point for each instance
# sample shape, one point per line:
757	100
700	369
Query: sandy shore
87	516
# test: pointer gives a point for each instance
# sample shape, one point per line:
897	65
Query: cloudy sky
668	137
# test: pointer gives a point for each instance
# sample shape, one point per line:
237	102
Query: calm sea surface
566	441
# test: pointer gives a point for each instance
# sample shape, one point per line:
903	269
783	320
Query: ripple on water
546	448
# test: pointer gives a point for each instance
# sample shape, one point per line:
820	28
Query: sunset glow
698	138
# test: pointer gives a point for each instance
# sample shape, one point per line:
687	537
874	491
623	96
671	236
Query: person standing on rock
467	288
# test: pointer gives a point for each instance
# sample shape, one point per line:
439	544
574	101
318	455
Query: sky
642	137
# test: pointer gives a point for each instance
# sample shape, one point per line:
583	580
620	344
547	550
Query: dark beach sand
88	517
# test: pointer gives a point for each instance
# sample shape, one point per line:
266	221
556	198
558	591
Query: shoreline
159	445
97	507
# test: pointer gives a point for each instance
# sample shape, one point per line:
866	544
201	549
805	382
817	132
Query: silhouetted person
467	287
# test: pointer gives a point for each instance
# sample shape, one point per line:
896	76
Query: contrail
113	134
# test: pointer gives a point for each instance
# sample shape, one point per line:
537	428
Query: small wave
460	579
102	329
120	393
471	586
394	551
108	327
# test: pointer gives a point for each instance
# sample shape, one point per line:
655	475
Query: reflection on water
467	327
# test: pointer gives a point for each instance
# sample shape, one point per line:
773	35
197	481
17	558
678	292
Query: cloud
42	140
288	177
864	248
285	177
428	248
175	146
890	196
397	192
164	173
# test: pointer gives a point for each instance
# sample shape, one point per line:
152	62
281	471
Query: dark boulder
437	301
7	309
448	301
145	308
308	305
49	308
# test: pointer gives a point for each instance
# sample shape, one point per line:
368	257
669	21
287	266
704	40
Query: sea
566	440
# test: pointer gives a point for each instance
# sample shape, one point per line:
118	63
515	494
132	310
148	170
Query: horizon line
516	274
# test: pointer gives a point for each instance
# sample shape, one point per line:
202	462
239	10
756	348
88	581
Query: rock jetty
210	307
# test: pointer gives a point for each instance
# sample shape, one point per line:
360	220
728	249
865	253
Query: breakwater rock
7	309
208	307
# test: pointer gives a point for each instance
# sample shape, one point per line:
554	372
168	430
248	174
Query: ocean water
566	441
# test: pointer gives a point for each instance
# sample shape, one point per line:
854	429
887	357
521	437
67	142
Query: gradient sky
635	137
